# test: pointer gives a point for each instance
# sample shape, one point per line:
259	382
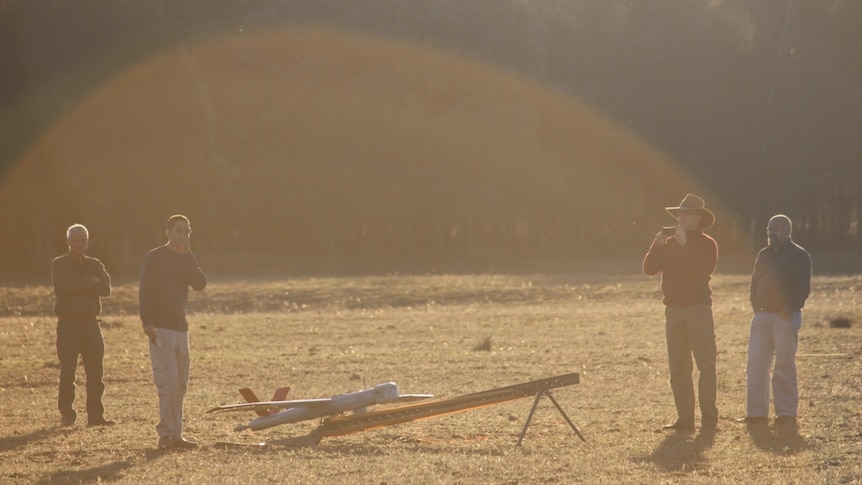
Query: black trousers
84	339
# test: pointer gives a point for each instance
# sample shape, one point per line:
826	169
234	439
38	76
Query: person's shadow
682	451
781	440
10	443
109	472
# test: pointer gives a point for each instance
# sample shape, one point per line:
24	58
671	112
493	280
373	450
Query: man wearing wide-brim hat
686	259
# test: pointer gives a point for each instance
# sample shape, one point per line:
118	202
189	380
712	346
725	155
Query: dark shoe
184	444
100	422
165	443
752	420
679	426
785	420
68	420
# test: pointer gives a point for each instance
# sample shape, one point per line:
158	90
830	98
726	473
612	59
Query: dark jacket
781	280
74	299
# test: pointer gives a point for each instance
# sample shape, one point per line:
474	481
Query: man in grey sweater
167	273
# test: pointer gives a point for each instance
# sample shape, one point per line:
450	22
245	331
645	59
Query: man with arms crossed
79	283
780	283
166	275
686	259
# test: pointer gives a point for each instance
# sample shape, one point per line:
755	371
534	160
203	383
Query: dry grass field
442	334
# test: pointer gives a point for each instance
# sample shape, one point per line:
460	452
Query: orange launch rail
342	425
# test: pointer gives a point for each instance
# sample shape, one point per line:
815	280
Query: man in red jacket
686	259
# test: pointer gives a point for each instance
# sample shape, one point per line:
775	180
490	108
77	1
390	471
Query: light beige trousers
170	359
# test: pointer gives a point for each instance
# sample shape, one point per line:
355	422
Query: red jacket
685	270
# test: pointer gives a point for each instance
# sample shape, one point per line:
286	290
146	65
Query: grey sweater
164	288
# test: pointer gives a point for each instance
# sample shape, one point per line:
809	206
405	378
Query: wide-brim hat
692	202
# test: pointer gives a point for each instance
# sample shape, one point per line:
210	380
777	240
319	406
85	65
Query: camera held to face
668	231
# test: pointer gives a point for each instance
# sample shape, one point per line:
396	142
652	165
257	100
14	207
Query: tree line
430	130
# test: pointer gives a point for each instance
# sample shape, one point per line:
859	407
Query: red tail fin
279	395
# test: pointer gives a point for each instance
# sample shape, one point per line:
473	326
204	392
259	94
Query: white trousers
170	359
772	336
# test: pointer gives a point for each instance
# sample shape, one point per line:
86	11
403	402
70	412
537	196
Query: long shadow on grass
381	447
783	440
682	451
12	442
375	450
104	473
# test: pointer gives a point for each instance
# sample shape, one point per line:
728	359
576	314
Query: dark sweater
74	299
685	270
164	288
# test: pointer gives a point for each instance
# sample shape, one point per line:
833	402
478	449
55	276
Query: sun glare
251	121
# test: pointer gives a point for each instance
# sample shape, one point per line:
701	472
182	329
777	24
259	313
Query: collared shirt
164	287
781	279
74	298
685	270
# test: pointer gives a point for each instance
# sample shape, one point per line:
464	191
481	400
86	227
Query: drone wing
412	397
266	406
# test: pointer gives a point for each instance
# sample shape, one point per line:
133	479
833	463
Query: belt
771	310
78	320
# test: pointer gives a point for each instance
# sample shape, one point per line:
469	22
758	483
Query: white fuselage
354	401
